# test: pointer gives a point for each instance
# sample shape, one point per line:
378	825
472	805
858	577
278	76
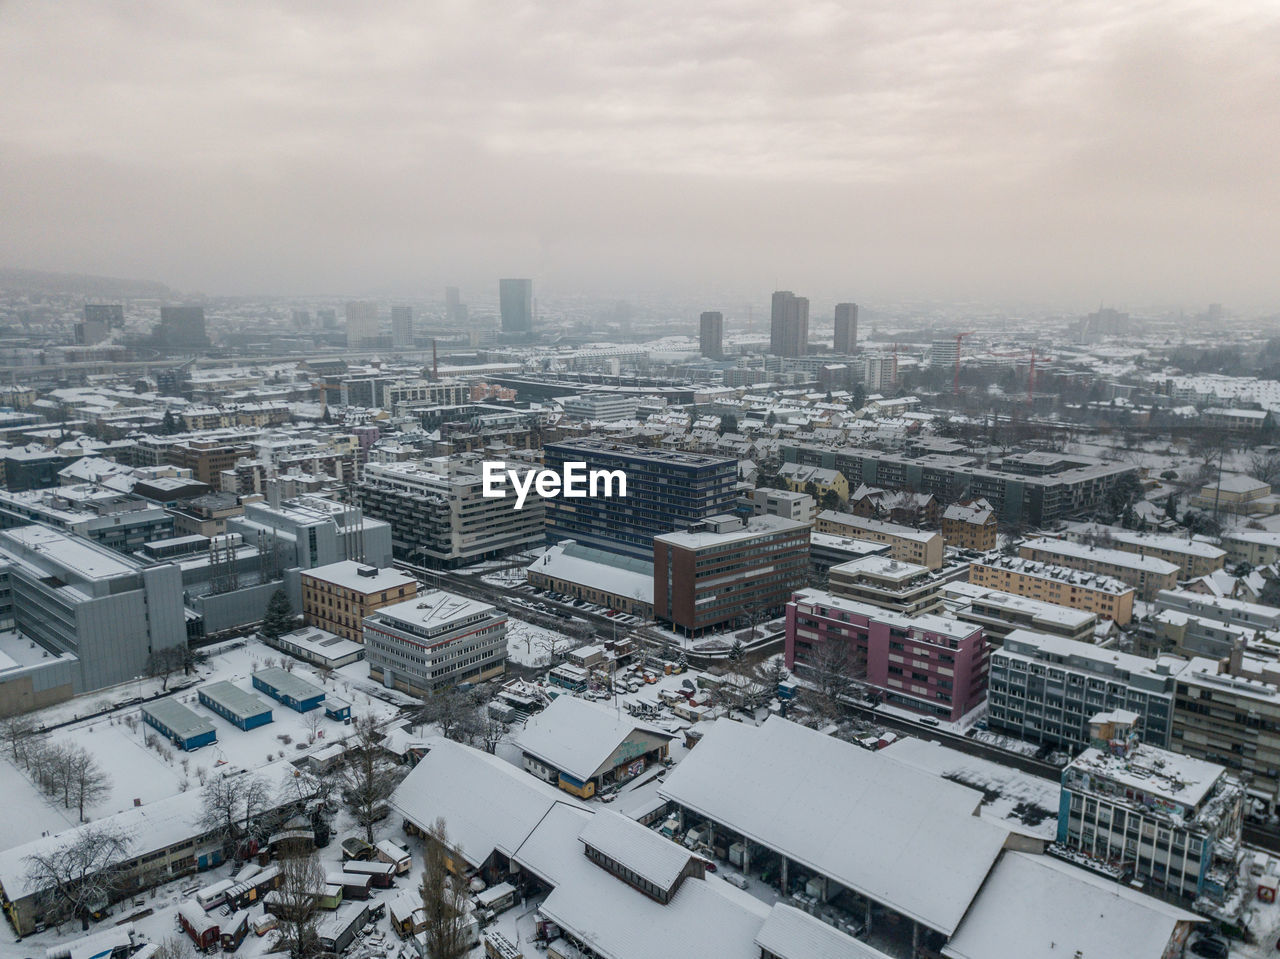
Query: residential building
515	302
815	481
1029	489
1194	557
667	490
93	615
439	515
944	353
789	324
1235	494
1236	612
789	504
1232	720
1146	574
846	338
929	664
725	570
1231	420
1000	613
1253	546
827	550
1106	596
903	588
1044	689
895	506
879	371
624	583
1171	821
339	596
711	335
1189	635
362	323
425	645
402	327
921	547
970	525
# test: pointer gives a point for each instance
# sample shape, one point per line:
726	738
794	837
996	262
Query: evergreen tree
279	617
170	423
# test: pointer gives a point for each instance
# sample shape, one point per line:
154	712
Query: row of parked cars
582	604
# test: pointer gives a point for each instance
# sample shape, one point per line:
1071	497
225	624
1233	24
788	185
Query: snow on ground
530	645
147	773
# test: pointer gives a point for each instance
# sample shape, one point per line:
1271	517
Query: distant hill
99	287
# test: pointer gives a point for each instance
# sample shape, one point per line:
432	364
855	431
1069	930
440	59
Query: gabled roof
789	933
894	834
646	853
486	803
1034	907
577	736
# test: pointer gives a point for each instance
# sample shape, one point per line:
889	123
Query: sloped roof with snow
791	934
892	833
486	803
1034	907
578	736
646	853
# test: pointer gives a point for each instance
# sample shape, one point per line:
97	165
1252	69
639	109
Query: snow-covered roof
643	851
1034	907
789	933
359	577
1099	554
177	718
575	563
866	821
287	684
578	736
487	803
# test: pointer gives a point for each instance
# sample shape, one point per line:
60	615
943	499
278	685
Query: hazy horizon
1070	154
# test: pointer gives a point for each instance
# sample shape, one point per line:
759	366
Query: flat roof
1040	609
753	528
287	684
434	610
180	720
922	623
321	642
882	567
899	836
234	699
73	553
1154	771
360	577
1073	649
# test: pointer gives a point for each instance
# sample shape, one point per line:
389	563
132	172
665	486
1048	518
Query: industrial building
283	686
624	583
233	704
185	729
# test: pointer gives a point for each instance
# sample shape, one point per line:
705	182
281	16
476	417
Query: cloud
878	149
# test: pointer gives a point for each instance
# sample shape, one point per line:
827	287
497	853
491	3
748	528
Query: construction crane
955	379
1031	368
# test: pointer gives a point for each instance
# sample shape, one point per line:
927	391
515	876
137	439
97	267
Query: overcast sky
1067	152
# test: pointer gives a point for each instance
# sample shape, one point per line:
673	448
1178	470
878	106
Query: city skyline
1104	153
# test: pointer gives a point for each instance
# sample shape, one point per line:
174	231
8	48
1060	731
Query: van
928	721
736	879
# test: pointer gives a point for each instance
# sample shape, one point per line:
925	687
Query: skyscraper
515	299
110	315
402	326
789	324
711	334
362	322
183	326
846	328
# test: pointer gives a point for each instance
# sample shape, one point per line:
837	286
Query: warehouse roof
177	718
647	854
235	699
578	736
1034	907
859	818
287	684
789	933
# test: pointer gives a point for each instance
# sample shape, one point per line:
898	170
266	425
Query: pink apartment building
930	664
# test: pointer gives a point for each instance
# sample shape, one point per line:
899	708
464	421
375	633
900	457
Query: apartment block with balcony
1146	574
1000	613
1194	557
908	545
929	664
1106	596
900	587
1044	689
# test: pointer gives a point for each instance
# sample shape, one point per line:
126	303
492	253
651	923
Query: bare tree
490	730
443	896
163	663
368	776
555	645
88	782
18	733
836	671
231	803
453	710
174	947
301	880
78	876
1265	465
313	720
